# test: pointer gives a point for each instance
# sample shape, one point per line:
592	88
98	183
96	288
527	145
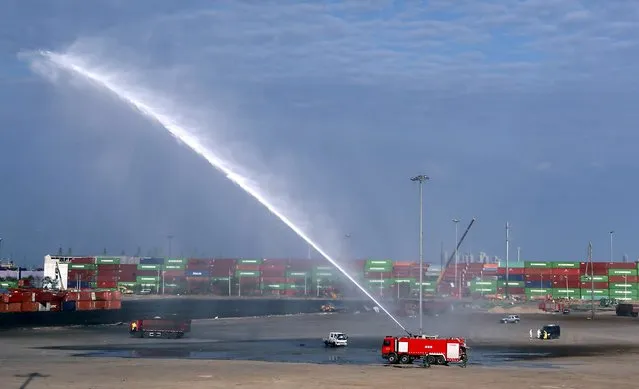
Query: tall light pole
518	254
456	221
611	234
421	179
507	253
169	238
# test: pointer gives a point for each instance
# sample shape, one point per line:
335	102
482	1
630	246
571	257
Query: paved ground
590	354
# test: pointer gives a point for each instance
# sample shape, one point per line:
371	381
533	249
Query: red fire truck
432	350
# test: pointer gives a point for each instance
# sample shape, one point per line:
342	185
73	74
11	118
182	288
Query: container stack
222	271
82	273
378	275
38	300
248	276
174	273
274	276
197	274
107	272
566	280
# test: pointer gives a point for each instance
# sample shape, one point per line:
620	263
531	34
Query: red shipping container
247	267
148	273
174	279
174	273
83	260
566	272
281	268
14	307
128	267
30	306
593	285
567	284
128	278
273	280
198	266
107	279
3	307
276	262
249	280
103	268
516	290
622	265
300	266
537	271
107	284
627	279
585	266
221	272
198	280
224	262
271	273
377	276
110	273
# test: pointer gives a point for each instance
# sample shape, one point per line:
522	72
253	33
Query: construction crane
441	275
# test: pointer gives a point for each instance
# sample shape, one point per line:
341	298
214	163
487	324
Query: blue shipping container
512	277
74	284
68	306
539	284
152	261
197	273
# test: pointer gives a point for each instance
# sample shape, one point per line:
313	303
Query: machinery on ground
549	331
159	328
431	350
336	339
510	319
627	309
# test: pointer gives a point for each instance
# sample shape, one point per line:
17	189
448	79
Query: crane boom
441	275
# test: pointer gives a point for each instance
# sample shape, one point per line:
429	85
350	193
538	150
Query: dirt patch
514	310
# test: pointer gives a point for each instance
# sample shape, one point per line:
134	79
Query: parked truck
627	309
160	328
431	350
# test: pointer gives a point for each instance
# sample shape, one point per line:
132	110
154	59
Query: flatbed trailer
159	328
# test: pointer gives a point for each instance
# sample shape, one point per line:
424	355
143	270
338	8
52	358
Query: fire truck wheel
404	359
392	358
431	359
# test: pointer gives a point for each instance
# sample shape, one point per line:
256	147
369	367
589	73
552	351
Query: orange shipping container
3	307
81	305
113	304
99	305
117	295
14	307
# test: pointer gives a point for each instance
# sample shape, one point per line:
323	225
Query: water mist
153	110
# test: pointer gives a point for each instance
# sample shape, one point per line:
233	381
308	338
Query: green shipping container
220	279
297	274
379	262
246	261
429	290
622	272
8	284
425	283
175	261
598	293
82	266
559	292
511	284
174	267
537	264
275	286
149	266
107	260
143	279
378	283
622	286
537	291
623	293
127	284
405	281
323	275
565	265
247	273
511	265
594	278
379	269
481	289
492	283
323	268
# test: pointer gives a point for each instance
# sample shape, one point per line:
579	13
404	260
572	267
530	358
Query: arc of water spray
179	131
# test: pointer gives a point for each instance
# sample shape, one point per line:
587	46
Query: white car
510	319
336	339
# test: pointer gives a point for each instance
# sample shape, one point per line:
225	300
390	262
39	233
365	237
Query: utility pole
420	179
592	282
518	254
507	253
457	282
611	234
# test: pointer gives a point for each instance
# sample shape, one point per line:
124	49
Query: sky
518	111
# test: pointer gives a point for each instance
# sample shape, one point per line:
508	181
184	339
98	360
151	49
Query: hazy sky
519	111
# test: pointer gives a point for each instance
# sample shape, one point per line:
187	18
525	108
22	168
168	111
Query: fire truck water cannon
431	350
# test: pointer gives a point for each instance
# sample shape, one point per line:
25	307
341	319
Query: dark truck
627	309
158	327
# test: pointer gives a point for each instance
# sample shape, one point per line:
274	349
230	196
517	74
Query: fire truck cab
432	350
